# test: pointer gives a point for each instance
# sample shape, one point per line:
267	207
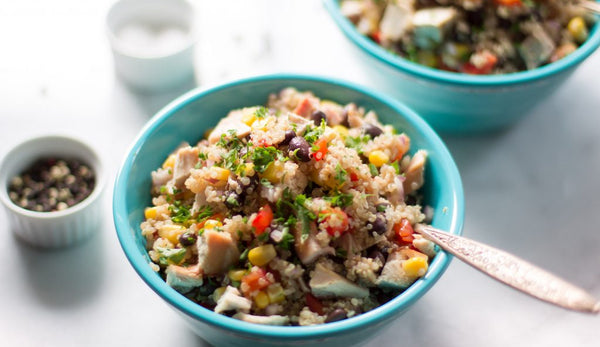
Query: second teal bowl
187	118
455	102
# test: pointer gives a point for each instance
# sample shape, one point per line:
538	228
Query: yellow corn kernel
263	123
262	255
275	293
261	299
577	29
249	116
170	162
274	172
218	293
212	223
236	275
220	174
378	158
415	266
171	232
341	130
249	169
150	213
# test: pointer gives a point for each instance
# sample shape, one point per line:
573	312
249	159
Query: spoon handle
590	5
513	271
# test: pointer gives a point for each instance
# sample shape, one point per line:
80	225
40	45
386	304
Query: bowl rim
94	160
440	76
195	311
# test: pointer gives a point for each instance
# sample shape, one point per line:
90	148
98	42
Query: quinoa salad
473	36
299	212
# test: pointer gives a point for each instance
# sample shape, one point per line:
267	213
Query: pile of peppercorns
52	184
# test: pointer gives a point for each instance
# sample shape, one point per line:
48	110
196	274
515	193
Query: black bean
317	117
372	130
375	254
474	18
336	315
299	149
250	185
188	238
289	135
379	225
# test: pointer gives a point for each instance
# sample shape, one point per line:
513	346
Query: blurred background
531	189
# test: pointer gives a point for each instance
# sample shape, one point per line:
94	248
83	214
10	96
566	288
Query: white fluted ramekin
59	228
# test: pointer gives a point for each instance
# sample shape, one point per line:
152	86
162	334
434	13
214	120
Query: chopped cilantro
266	183
396	166
373	170
381	207
340	252
340	174
305	216
179	212
357	142
312	134
202	155
232	201
169	256
263	156
244	254
286	238
340	200
261	112
204	213
263	237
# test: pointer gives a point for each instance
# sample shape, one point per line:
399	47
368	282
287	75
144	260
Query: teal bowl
188	117
455	102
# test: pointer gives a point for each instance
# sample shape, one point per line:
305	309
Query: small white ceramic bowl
60	228
152	42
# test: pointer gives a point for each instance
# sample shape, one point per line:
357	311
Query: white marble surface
532	190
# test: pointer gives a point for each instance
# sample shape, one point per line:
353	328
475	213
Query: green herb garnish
169	256
179	212
261	112
263	156
340	199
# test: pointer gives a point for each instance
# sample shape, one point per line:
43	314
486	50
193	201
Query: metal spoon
589	5
513	271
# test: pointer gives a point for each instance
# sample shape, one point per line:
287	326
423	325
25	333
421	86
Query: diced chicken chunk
160	178
184	279
216	252
233	122
393	274
185	159
537	48
431	24
352	9
264	320
424	246
415	172
309	250
325	283
396	20
301	122
231	300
